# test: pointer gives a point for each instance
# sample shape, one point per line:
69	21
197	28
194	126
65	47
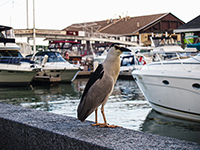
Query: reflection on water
126	107
157	123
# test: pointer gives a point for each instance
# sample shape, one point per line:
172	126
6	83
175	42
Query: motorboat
101	57
136	60
54	67
130	63
172	87
15	70
129	60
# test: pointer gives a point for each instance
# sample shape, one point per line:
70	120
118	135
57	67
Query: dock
46	79
84	74
25	128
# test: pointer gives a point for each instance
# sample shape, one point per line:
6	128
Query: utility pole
27	13
27	18
34	35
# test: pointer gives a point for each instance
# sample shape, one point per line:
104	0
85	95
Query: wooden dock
84	74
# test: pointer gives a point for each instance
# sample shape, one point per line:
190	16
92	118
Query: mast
34	35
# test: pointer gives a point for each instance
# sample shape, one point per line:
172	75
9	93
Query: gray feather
95	96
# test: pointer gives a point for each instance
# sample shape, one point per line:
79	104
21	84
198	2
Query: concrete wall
23	128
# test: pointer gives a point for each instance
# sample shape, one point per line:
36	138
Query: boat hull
170	94
66	75
16	78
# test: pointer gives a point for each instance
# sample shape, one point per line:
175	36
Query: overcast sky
58	14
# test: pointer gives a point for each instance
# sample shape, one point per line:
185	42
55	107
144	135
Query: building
131	31
125	29
190	28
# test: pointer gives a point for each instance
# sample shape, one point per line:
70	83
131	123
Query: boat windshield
10	53
55	57
52	56
163	41
128	61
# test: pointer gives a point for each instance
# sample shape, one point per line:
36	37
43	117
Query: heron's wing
95	76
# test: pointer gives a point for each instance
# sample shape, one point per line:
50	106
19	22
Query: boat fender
44	60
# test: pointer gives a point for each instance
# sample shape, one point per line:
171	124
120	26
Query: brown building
131	29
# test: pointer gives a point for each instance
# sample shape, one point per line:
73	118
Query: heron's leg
104	117
96	120
105	122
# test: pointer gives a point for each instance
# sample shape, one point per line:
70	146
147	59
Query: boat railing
4	40
172	56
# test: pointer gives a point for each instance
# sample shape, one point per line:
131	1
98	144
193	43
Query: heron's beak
123	49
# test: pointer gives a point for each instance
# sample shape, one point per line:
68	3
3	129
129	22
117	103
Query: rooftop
191	26
124	26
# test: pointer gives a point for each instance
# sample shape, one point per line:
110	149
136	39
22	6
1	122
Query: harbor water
126	107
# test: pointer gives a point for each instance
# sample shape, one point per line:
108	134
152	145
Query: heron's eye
116	47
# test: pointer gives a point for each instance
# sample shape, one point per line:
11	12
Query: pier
24	128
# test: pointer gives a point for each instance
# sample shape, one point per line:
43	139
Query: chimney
138	24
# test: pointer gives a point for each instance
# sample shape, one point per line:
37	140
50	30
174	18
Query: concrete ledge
23	128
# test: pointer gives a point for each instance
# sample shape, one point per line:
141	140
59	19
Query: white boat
172	87
54	67
139	57
129	60
14	69
130	63
25	48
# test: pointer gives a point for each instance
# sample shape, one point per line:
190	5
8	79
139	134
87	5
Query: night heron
100	86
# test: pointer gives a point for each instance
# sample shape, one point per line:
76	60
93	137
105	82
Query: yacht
54	67
172	87
135	59
15	70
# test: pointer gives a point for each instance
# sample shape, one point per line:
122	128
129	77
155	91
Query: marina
15	70
126	107
140	73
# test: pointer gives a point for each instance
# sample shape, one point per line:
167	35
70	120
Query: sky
58	14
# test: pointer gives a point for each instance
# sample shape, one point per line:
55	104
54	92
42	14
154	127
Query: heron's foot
97	124
110	126
105	125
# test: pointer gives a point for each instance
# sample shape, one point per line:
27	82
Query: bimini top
3	28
